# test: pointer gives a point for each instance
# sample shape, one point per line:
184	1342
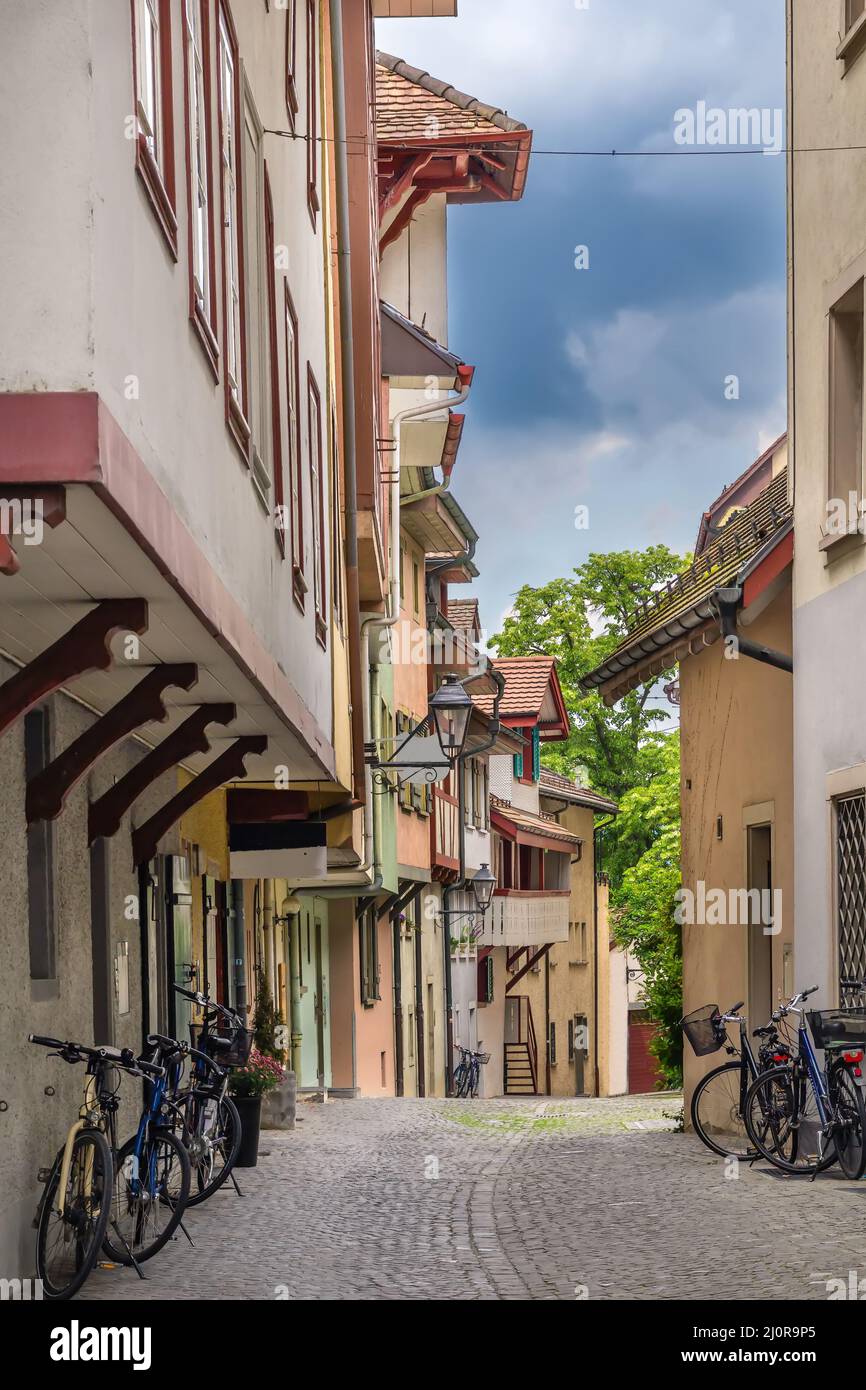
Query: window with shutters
368	933
199	137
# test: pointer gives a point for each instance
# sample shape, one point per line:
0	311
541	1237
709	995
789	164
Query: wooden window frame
203	319
313	204
368	957
274	363
155	167
38	734
317	497
291	60
235	409
296	485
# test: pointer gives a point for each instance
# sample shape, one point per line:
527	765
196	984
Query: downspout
398	1001
727	603
347	356
595	1067
294	924
419	1013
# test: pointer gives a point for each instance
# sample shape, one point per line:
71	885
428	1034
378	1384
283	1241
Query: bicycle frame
89	1106
150	1115
815	1072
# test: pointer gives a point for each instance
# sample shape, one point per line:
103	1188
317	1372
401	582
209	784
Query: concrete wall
829	256
34	1125
736	732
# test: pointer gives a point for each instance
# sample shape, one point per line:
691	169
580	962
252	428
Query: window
293	420
416	589
571	1040
853	11
312	110
846	396
291	59
273	358
154	145
850	880
202	261
317	495
552	1045
404	724
411	1037
337	531
368	926
255	278
40	861
234	308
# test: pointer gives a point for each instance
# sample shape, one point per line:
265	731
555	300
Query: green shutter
536	755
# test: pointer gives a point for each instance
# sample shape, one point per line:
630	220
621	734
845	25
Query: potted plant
247	1086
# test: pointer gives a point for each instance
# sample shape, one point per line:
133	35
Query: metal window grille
851	885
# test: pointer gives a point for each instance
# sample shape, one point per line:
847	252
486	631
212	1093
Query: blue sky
605	388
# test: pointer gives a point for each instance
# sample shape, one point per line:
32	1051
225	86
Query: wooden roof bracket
107	812
48	790
533	960
228	767
85	647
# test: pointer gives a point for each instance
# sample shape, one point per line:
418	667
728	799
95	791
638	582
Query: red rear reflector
853	1056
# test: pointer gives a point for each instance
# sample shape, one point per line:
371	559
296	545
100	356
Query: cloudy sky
605	388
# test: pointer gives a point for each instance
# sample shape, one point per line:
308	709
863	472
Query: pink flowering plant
260	1075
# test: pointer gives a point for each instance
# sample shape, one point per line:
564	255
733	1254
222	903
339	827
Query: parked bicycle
719	1100
467	1074
76	1206
208	1119
804	1117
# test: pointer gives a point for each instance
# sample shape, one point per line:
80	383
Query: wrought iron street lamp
483	885
450	708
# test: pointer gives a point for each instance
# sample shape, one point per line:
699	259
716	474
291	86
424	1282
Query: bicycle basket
236	1054
838	1027
483	1058
704	1030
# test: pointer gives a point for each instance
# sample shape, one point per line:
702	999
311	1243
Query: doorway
760	962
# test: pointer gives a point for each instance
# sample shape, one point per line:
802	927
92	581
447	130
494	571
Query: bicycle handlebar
121	1057
205	1002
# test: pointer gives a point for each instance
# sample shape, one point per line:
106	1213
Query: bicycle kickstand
235	1183
133	1261
187	1234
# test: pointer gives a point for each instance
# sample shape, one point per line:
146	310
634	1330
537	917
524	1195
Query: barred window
851	885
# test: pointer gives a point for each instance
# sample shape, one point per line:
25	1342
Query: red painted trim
205	328
276	416
314	424
779	558
291	61
296	514
313	203
158	179
9	562
235	412
73	438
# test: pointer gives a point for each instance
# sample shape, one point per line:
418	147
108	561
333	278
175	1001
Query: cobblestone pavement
505	1199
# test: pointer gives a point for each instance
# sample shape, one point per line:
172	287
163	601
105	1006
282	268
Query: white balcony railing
525	919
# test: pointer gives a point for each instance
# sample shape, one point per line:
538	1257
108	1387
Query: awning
525	828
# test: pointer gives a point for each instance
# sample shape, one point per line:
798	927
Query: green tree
581	621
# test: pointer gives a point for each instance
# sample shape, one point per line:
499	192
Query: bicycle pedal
107	1264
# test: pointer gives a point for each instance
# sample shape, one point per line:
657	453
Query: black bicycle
718	1107
804	1117
208	1118
467	1074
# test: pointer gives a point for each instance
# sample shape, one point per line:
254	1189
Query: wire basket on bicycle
705	1030
231	1051
838	1027
483	1058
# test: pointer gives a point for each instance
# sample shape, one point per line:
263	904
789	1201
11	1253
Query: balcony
525	919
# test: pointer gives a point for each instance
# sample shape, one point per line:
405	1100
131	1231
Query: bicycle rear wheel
717	1114
784	1123
68	1244
850	1119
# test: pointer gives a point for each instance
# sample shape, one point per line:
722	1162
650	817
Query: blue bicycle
803	1117
152	1173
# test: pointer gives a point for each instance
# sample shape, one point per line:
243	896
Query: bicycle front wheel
68	1242
717	1113
150	1195
785	1125
212	1138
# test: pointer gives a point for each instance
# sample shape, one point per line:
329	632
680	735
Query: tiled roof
407	98
463	613
527	679
556	785
534	825
684	604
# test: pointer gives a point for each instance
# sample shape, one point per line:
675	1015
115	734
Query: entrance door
320	1008
431	1043
760	871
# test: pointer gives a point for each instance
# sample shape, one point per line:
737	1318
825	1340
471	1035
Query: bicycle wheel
212	1138
717	1116
474	1078
461	1080
784	1123
150	1197
850	1121
68	1245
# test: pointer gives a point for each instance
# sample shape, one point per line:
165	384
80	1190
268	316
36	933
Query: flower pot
250	1111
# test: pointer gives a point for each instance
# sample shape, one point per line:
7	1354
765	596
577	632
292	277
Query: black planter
250	1111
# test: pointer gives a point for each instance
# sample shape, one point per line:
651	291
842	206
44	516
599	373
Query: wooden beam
52	510
48	790
533	960
85	647
228	767
107	812
265	805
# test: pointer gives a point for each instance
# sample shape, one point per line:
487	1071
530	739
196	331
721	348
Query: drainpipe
419	1013
292	912
357	676
398	1001
596	1091
268	934
727	603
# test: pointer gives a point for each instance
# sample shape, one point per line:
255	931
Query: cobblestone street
535	1199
